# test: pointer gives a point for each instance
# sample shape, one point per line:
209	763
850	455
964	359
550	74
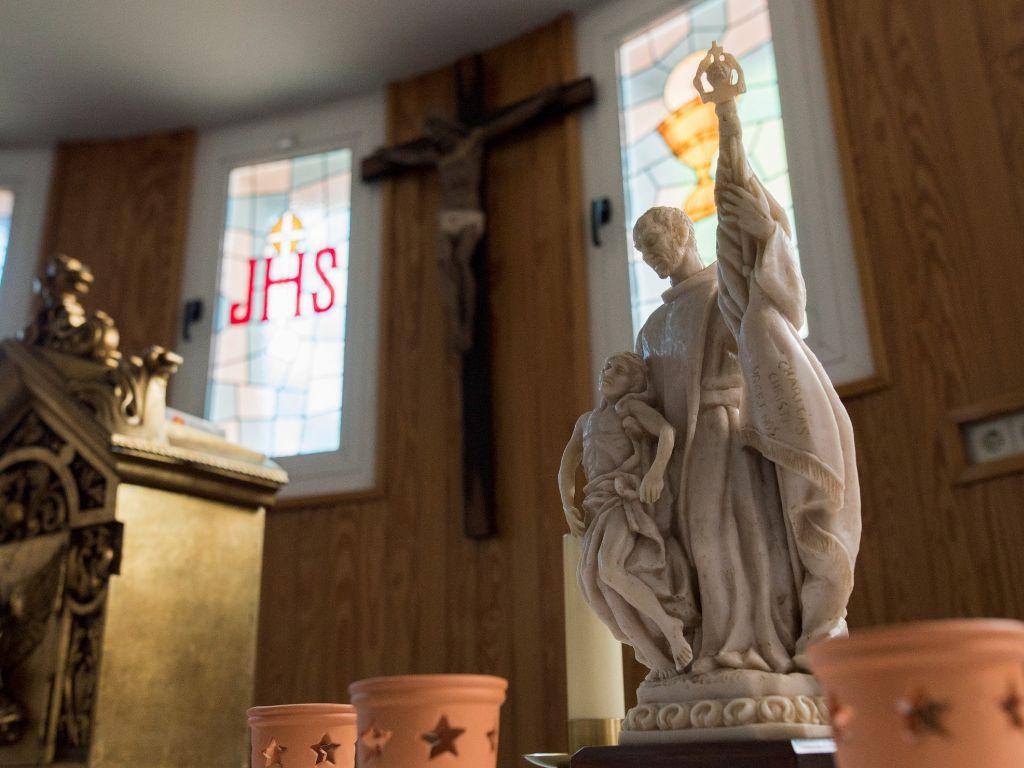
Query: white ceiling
76	69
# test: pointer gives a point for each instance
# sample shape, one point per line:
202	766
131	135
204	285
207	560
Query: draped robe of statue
624	561
762	490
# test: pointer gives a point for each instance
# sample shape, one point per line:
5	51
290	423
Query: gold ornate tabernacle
130	554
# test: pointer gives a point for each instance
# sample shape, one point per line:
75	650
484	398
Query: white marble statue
760	515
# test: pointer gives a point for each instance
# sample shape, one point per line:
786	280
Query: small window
6	211
670	139
283	273
279	338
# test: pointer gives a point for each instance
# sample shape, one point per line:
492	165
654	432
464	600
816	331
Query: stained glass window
670	139
6	209
278	349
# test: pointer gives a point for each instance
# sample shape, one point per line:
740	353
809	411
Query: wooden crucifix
456	149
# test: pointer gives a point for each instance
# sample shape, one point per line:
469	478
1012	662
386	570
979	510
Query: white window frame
27	173
838	325
356	124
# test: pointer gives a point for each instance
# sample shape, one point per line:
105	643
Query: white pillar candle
593	658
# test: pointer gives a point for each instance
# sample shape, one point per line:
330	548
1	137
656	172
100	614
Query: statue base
733	754
728	705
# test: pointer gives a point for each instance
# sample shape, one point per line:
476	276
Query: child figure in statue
624	572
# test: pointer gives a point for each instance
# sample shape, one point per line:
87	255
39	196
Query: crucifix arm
418	153
553	101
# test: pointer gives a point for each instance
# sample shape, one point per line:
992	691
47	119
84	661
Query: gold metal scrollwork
118	390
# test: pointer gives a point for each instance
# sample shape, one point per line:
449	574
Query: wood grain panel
122	208
933	140
393	586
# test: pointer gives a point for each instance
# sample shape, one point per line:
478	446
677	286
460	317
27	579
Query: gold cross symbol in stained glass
923	715
325	750
442	738
287	233
272	754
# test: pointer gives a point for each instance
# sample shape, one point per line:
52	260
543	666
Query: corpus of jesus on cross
456	149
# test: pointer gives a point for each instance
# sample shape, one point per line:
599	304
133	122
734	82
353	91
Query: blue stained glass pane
642	87
269	209
706	231
276	372
339	162
6	209
647	282
759	67
220	314
640	188
703	38
240	213
709	15
288	434
258	435
308	170
223	398
321	433
671	173
345	224
768	156
656	67
291	403
781	191
759	104
677	54
647	152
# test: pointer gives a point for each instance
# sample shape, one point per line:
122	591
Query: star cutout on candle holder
841	717
922	715
1012	705
272	754
372	742
325	750
442	738
492	737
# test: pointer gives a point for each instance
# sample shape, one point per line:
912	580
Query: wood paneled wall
122	208
391	585
933	96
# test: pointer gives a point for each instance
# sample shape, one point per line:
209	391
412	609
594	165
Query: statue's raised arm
790	412
750	219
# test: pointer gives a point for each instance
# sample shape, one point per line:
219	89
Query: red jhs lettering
322	301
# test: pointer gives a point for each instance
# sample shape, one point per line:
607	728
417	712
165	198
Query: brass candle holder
591	732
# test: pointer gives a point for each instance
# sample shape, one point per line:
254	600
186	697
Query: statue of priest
761	490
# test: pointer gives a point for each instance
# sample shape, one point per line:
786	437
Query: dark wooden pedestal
734	754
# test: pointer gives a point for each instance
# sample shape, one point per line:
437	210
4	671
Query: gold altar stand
130	555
